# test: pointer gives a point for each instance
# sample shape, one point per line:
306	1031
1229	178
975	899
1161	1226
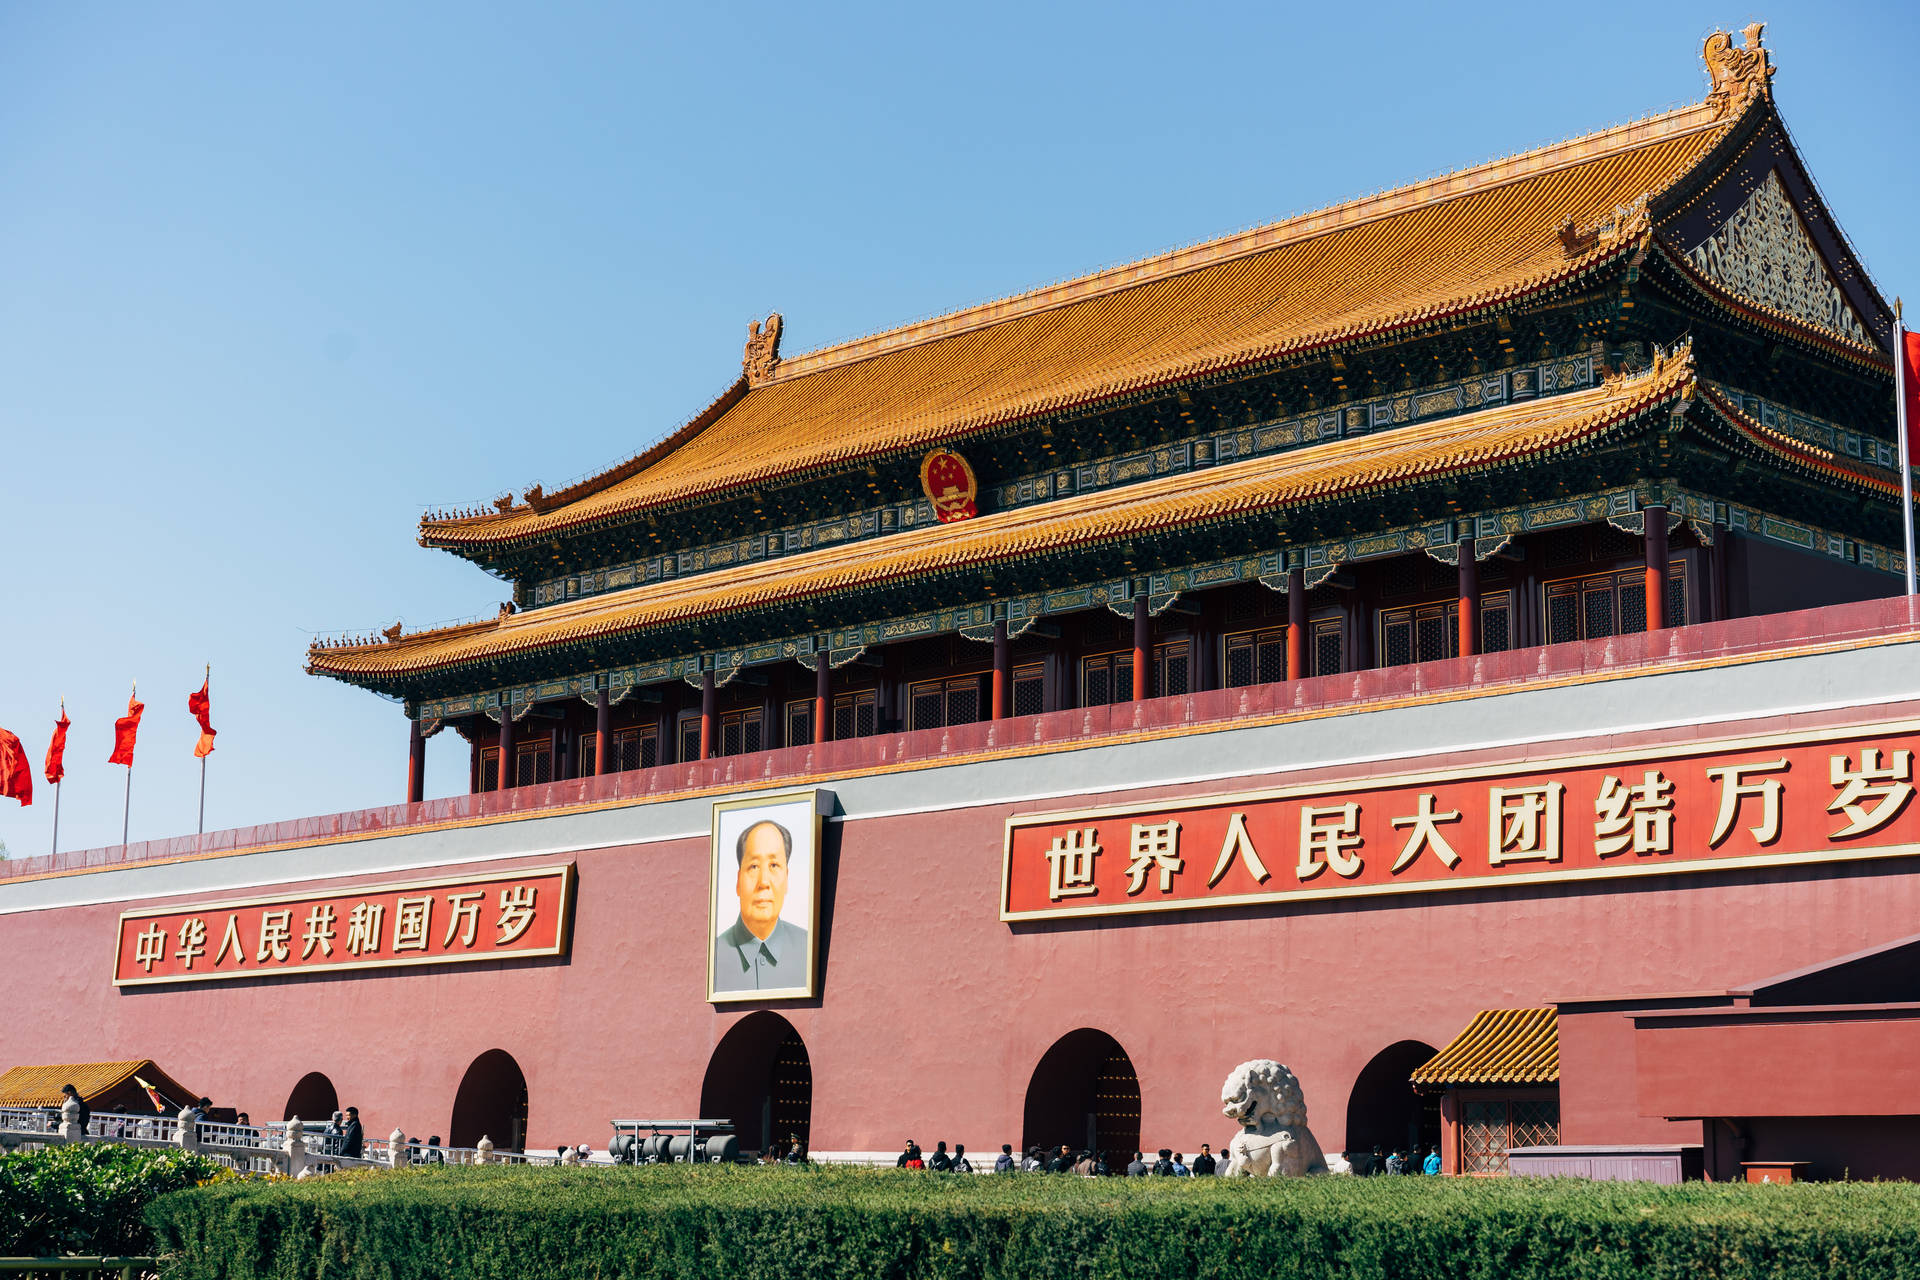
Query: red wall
934	1013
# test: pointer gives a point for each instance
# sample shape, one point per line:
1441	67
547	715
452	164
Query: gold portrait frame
817	802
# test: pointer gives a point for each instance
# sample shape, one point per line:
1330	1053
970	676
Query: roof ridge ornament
1737	75
763	351
1630	222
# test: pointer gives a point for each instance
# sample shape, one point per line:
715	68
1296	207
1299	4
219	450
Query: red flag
125	729
16	775
1910	355
57	749
201	705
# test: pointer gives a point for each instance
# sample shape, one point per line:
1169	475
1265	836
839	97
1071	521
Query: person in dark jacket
941	1162
960	1162
1163	1167
1005	1163
352	1136
1136	1168
1061	1161
1203	1164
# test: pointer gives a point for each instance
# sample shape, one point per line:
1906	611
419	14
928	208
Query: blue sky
275	278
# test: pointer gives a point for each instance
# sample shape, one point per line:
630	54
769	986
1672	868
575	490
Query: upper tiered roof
1439	250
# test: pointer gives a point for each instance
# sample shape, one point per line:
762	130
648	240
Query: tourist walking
352	1137
941	1162
1004	1162
960	1162
1203	1164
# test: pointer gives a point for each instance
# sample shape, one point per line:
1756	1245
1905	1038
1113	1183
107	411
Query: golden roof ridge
1436	189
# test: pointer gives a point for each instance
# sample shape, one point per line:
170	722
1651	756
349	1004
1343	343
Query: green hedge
88	1198
749	1223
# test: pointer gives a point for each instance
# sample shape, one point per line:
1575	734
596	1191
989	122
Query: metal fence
107	1268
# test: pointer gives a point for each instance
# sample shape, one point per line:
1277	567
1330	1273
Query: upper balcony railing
1737	639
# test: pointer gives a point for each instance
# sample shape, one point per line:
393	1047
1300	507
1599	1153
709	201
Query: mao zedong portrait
760	951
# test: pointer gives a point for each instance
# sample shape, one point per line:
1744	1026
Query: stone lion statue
1274	1140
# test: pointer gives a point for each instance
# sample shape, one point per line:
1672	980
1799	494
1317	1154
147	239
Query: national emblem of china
949	485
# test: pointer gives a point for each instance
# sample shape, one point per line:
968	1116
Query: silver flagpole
1900	410
203	795
56	818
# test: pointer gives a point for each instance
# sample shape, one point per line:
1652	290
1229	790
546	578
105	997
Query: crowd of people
1086	1163
1404	1160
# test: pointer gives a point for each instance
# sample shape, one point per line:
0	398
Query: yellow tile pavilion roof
1340	468
1500	1046
40	1086
1444	247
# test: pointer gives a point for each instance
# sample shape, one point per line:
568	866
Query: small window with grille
689	737
799	722
588	748
1610	604
489	768
637	748
1256	657
855	715
1491	1127
1029	690
1427	633
1328	644
934	704
741	731
1106	679
533	762
1172	667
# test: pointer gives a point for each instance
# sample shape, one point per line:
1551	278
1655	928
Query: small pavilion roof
1339	469
1500	1046
95	1081
1440	249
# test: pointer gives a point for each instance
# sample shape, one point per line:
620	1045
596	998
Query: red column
1003	672
416	763
505	780
1296	624
602	722
1656	540
1469	600
707	725
1142	648
822	697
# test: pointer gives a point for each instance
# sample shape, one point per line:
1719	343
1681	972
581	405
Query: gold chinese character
231	940
467	905
1426	835
1238	844
516	911
1638	818
193	940
1734	787
1154	845
276	934
1891	786
363	927
1523	823
150	947
1322	838
1070	858
319	931
410	919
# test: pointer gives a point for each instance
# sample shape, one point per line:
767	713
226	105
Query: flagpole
203	759
126	813
1906	464
56	818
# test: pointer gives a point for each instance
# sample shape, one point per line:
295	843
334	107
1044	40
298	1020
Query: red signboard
443	921
1745	803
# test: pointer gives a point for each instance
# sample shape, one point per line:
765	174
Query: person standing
352	1137
1136	1168
1004	1162
1431	1165
941	1162
960	1162
1203	1164
73	1095
1180	1169
1163	1167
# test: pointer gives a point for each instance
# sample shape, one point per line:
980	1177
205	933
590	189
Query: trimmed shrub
88	1198
772	1224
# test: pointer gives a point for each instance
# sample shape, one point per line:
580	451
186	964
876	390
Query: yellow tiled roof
40	1086
1500	1046
1338	468
1438	248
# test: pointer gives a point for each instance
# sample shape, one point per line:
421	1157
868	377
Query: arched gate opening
491	1103
1084	1093
314	1098
1383	1110
761	1078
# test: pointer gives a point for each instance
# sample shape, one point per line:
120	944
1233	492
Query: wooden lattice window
855	715
1329	642
636	748
1491	1127
1256	657
1429	632
1610	604
799	722
1172	667
1029	690
741	732
489	768
1106	678
934	704
689	738
588	748
533	762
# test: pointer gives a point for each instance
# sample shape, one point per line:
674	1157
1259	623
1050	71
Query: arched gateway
1084	1093
1384	1111
761	1079
314	1098
491	1103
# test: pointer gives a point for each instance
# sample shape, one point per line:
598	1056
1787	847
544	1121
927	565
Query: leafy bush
88	1199
745	1224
